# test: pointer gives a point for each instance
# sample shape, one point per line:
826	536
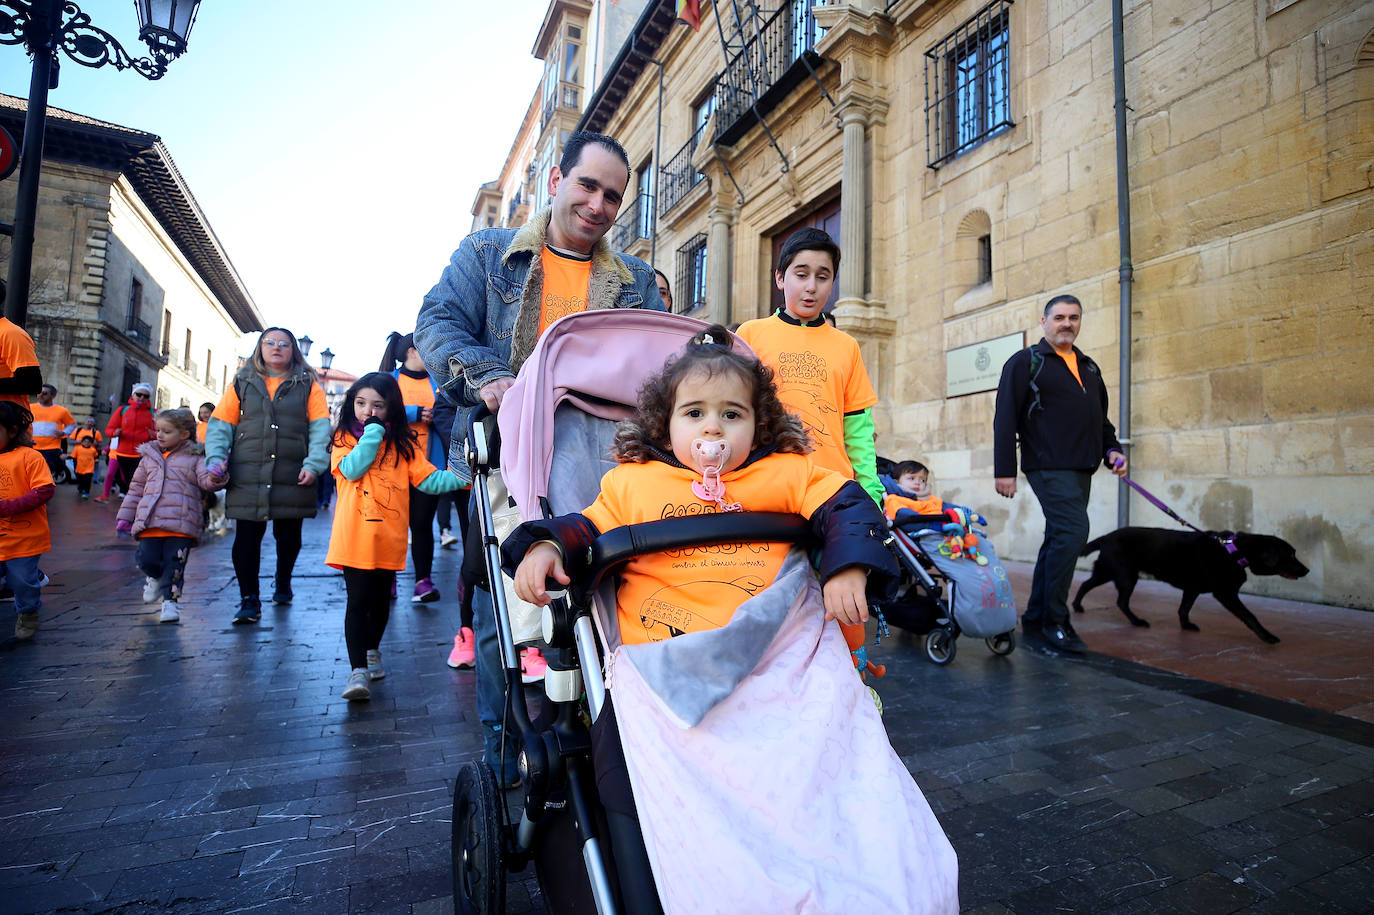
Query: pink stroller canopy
596	359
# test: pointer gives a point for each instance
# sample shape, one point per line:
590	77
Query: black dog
1192	562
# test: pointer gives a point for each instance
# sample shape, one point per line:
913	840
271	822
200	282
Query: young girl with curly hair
710	435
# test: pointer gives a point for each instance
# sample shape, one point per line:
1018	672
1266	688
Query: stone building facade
963	153
129	282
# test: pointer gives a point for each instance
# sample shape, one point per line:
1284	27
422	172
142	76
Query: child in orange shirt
375	460
84	454
710	436
25	488
164	508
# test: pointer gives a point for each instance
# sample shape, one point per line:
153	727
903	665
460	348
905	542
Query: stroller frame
555	764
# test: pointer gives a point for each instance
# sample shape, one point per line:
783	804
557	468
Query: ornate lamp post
43	27
305	344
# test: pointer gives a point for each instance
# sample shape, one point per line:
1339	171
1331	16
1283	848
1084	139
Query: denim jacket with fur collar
481	321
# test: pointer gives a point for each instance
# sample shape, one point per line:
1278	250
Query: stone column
854	122
721	217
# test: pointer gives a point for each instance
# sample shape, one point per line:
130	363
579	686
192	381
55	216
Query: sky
335	147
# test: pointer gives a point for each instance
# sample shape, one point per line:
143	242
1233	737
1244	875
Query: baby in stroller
908	498
738	738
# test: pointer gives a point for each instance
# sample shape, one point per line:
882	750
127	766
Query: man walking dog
1052	400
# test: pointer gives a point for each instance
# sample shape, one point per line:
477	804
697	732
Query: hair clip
707	340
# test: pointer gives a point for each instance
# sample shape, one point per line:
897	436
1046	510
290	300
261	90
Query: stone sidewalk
203	767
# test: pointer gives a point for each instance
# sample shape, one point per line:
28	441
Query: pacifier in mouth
710	456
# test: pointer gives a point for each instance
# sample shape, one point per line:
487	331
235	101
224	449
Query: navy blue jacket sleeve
574	533
854	533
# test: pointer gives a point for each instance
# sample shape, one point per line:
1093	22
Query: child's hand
218	469
845	594
543	561
124	529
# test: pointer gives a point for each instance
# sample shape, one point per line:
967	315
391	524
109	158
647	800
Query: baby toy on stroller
751	749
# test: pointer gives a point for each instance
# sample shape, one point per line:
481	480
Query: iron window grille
691	275
968	94
633	223
757	77
679	176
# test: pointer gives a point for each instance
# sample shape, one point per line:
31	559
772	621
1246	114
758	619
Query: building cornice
145	162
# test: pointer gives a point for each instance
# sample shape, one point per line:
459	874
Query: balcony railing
139	330
634	223
678	176
758	77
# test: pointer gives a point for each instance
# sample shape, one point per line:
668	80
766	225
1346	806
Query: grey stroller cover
983	604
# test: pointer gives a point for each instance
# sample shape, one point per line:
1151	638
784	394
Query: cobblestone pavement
202	767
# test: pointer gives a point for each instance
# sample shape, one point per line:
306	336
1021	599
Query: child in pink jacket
164	508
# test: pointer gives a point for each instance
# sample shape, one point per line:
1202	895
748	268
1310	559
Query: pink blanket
786	796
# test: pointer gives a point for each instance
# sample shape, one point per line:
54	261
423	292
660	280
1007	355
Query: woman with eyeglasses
270	431
133	425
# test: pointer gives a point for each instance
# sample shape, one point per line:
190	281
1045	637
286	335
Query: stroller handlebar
622	544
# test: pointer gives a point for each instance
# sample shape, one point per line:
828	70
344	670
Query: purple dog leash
1228	542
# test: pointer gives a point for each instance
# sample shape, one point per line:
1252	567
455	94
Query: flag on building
689	11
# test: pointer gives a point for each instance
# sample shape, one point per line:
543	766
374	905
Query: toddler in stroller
935	540
738	737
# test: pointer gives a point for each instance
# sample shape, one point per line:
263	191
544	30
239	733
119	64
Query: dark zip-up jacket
1069	430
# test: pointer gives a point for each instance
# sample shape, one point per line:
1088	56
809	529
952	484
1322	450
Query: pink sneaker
532	666
464	653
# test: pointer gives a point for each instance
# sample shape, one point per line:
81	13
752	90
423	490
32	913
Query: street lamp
43	27
305	343
326	359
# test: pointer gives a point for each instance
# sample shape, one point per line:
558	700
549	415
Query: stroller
558	438
942	597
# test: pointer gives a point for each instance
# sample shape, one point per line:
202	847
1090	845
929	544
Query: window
209	376
166	332
645	199
224	378
690	288
186	353
984	259
702	111
135	301
968	98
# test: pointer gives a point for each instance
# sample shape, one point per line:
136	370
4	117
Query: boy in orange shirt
25	488
84	454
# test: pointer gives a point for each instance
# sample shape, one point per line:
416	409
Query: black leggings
248	551
126	464
83	483
422	508
367	611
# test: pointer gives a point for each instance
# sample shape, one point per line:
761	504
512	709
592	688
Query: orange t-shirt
565	287
417	392
16	352
49	425
1071	360
22	470
201	426
665	594
928	506
820	376
230	412
83	457
372	515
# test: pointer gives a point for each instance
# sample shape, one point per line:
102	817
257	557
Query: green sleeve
863	457
356	463
219	436
317	454
439	482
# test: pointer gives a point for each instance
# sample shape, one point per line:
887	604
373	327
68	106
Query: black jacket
1067	430
848	524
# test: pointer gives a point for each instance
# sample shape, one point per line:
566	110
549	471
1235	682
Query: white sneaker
170	613
151	590
447	538
357	685
375	670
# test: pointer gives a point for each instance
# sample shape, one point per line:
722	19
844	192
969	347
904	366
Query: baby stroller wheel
479	875
940	646
1003	644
